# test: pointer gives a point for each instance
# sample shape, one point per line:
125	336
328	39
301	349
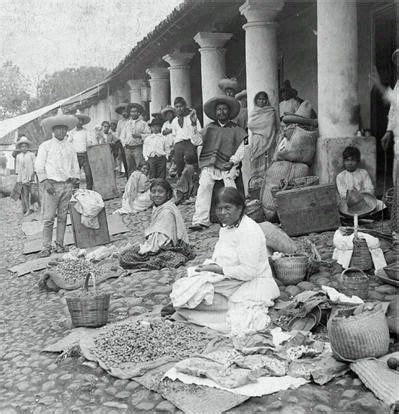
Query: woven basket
291	269
89	310
254	210
254	186
361	257
303	182
353	337
355	282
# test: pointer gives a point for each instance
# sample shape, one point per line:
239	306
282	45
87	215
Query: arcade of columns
337	70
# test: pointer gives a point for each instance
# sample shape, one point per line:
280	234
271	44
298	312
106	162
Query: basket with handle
291	269
355	336
361	257
90	309
254	187
355	282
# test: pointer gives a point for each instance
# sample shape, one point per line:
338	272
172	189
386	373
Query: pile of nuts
134	342
75	271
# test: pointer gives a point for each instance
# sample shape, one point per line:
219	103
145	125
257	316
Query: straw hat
242	94
228	83
358	203
70	121
121	107
394	55
139	108
210	106
23	140
167	108
303	115
84	118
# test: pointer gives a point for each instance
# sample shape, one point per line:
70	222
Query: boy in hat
80	140
25	170
155	149
222	150
58	171
133	136
353	177
186	130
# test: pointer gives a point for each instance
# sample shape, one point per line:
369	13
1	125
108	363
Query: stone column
261	56
135	90
338	101
213	64
159	84
180	83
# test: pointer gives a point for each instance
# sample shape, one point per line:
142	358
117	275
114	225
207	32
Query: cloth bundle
89	204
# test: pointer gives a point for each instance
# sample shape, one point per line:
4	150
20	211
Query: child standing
353	177
187	185
25	170
156	150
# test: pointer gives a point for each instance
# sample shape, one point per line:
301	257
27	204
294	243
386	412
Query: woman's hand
193	117
210	267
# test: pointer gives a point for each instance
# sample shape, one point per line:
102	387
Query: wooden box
102	168
85	237
309	209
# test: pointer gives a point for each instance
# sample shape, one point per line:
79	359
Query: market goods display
136	342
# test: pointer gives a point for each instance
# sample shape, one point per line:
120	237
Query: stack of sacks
293	157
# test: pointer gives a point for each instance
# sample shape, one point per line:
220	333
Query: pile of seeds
74	271
137	342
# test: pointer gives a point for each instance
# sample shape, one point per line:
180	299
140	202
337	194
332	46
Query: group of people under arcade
238	269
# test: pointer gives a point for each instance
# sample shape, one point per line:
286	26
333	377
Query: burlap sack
277	240
300	147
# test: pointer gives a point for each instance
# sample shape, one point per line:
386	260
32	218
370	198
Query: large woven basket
361	257
353	337
89	309
291	269
355	282
254	210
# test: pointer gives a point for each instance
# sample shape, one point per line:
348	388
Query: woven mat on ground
381	380
171	257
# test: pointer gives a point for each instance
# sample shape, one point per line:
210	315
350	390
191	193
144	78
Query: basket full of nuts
90	308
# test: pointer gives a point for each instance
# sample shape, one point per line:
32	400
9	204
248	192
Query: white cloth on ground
344	249
89	204
338	297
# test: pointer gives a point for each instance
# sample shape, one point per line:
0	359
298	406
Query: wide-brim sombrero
23	140
168	108
119	109
83	117
228	83
242	94
69	121
232	103
396	52
368	205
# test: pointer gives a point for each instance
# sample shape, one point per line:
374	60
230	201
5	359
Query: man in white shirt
132	139
121	109
58	171
80	140
185	129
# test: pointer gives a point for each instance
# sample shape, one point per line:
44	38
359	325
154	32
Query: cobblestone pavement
34	382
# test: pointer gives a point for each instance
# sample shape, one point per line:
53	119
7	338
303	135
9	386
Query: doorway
384	43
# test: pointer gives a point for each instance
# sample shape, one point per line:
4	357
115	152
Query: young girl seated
187	185
232	291
353	177
136	197
166	240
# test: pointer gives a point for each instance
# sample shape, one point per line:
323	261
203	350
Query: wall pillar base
328	160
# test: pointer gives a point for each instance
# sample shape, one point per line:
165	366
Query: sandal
61	249
45	253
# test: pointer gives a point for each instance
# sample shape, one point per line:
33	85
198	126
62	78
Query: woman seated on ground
231	292
166	240
136	197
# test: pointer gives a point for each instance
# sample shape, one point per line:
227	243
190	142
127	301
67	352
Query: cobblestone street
34	382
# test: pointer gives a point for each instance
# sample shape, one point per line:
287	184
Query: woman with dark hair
262	123
166	240
232	291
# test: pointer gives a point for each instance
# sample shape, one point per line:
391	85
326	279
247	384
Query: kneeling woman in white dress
230	293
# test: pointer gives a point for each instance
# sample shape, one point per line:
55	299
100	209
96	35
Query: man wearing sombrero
222	150
80	140
132	138
58	171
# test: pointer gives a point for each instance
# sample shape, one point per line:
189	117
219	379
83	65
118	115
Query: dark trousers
157	167
180	149
83	161
134	157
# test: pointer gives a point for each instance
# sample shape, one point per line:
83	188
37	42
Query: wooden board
33	265
86	237
102	168
31	228
307	210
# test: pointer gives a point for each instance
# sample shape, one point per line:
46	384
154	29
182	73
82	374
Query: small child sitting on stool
353	177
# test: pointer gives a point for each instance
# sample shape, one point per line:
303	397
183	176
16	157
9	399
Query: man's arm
40	163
